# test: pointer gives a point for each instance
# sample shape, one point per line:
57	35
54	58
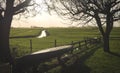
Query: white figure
43	34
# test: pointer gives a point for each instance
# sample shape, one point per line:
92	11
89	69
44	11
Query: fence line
62	53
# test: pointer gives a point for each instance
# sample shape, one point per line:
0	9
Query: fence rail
61	53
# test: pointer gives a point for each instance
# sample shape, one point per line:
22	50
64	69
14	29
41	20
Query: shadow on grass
79	66
115	54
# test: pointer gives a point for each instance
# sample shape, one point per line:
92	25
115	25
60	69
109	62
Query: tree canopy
9	8
23	7
104	12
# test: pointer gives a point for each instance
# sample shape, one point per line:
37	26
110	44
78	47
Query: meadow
98	62
61	35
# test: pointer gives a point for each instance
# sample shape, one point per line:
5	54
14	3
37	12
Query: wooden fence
62	54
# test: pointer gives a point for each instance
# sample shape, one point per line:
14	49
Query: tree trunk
106	43
5	23
4	43
105	33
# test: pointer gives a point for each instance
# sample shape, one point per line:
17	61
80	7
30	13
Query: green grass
101	62
96	61
24	32
61	35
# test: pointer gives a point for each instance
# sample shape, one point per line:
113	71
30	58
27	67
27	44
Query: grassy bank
61	35
94	61
102	62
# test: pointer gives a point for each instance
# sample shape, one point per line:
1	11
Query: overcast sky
42	20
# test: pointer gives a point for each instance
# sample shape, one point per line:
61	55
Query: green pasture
96	61
61	35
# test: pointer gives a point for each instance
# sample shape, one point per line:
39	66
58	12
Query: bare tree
9	8
104	12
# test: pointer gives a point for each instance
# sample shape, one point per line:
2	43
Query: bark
109	27
5	54
106	43
4	43
105	33
5	23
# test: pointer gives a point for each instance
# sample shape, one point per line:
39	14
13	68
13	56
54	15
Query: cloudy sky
42	20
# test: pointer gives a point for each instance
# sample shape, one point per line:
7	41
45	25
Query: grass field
61	35
97	62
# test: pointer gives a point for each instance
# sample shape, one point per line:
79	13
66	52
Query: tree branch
97	18
115	11
21	6
114	3
20	11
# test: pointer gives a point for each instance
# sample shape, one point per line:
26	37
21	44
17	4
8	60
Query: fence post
79	45
30	46
72	43
90	41
14	52
55	43
100	39
72	49
86	43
